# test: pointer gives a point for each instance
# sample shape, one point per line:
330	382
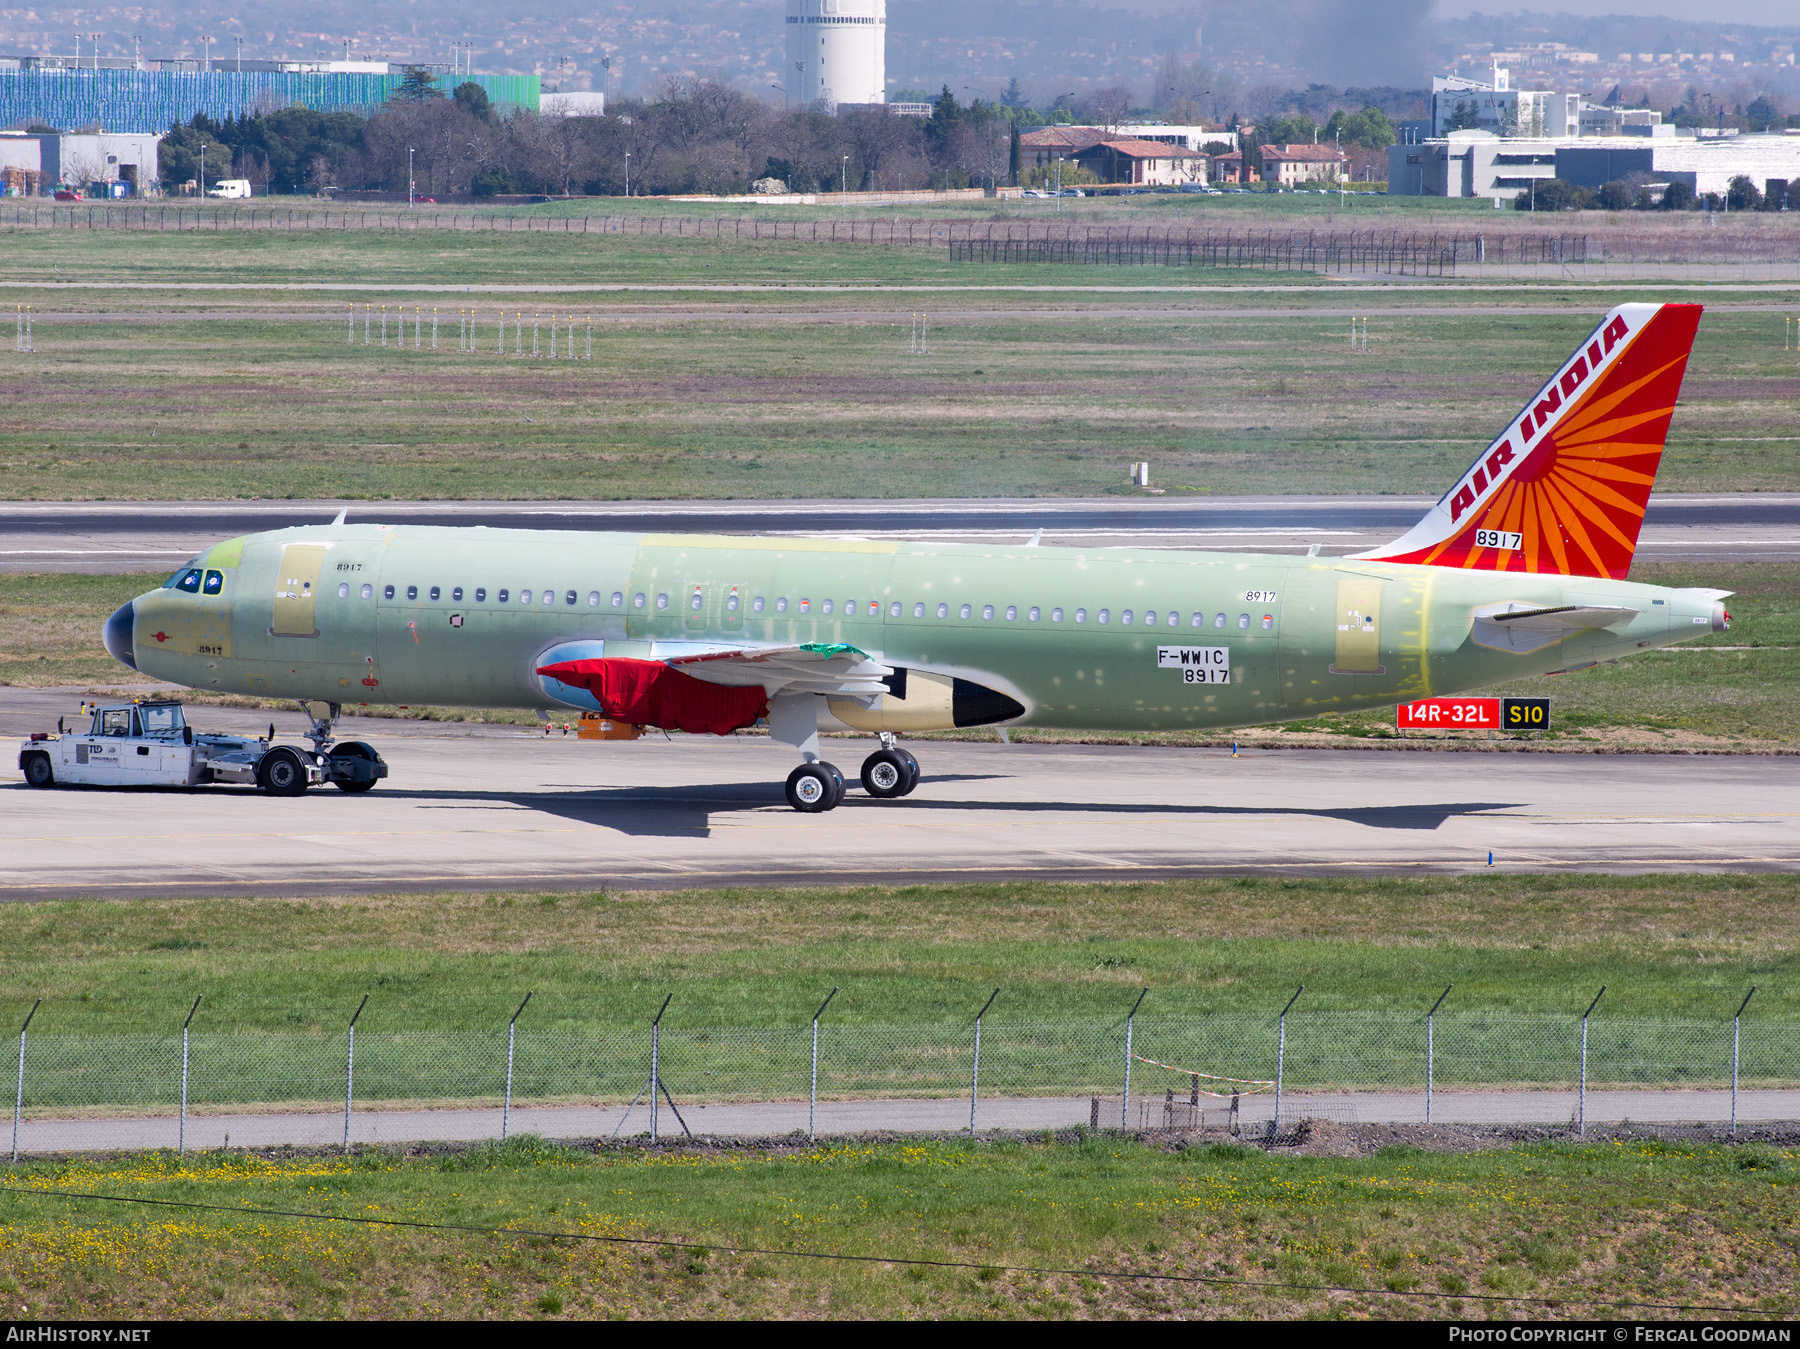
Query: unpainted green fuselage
422	615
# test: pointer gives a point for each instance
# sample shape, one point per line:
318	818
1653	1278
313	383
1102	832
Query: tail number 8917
1496	538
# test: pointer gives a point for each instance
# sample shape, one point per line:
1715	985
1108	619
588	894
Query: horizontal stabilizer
1521	628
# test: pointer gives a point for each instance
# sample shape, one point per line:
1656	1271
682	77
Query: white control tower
836	51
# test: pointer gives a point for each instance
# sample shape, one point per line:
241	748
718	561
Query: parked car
67	194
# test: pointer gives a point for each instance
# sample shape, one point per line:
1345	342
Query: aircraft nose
119	634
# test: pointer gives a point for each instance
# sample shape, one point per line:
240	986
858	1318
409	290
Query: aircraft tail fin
1563	489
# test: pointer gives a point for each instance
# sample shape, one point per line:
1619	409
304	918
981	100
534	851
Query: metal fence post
19	1100
1281	1052
1581	1096
1125	1096
1734	1055
975	1071
506	1106
812	1092
1431	1047
181	1129
350	1069
655	1064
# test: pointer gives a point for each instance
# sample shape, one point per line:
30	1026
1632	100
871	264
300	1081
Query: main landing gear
890	772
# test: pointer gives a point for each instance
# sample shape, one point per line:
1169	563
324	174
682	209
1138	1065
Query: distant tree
1369	129
179	155
1110	107
941	126
416	83
1012	96
1741	194
1553	194
1014	153
1294	128
1618	195
1679	196
473	99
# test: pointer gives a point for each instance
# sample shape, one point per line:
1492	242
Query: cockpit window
190	582
181	573
164	719
214	583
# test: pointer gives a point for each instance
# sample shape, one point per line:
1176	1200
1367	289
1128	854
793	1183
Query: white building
1496	107
576	103
836	52
110	164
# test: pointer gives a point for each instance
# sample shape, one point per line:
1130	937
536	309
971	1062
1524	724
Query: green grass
1566	1230
777	404
1682	946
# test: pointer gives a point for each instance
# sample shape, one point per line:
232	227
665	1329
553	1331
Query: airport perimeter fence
1240	1072
1695	250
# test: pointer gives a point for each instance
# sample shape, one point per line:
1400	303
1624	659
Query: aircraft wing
812	667
1520	627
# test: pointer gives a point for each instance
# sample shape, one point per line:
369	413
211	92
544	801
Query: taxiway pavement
469	807
113	536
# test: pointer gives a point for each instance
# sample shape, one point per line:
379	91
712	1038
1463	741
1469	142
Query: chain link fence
1236	1071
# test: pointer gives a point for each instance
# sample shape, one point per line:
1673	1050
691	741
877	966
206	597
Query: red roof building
1143	163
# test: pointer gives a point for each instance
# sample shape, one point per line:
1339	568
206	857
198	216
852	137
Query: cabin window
434	592
849	608
569	597
943	611
501	596
215	582
1125	617
1199	621
637	600
919	609
343	590
618	598
1081	615
1219	621
823	608
1056	614
757	604
1268	622
662	599
806	604
1032	614
368	591
525	597
1243	620
731	603
696	601
593	599
987	611
894	609
1012	613
1104	616
456	594
781	605
964	612
412	592
387	592
1149	618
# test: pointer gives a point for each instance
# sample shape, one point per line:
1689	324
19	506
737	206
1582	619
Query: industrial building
1042	146
151	96
1480	164
116	164
836	52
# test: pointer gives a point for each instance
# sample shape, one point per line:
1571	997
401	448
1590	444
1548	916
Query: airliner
1519	569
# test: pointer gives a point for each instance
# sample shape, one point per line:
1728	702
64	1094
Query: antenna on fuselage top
340	516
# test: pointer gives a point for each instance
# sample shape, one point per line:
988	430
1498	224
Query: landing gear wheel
814	787
281	773
38	770
912	771
352	781
886	774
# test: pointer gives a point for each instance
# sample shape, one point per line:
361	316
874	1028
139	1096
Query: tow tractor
150	744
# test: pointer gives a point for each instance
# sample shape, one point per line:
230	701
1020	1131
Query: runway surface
480	808
126	536
943	1116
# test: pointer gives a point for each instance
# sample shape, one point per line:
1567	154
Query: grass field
773	393
1739	689
1533	1232
1665	946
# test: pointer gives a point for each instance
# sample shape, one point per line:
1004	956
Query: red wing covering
649	693
1564	490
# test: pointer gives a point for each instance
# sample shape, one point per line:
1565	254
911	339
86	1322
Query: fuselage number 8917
1496	538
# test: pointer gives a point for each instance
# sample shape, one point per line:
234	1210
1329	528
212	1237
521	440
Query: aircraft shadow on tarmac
686	812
